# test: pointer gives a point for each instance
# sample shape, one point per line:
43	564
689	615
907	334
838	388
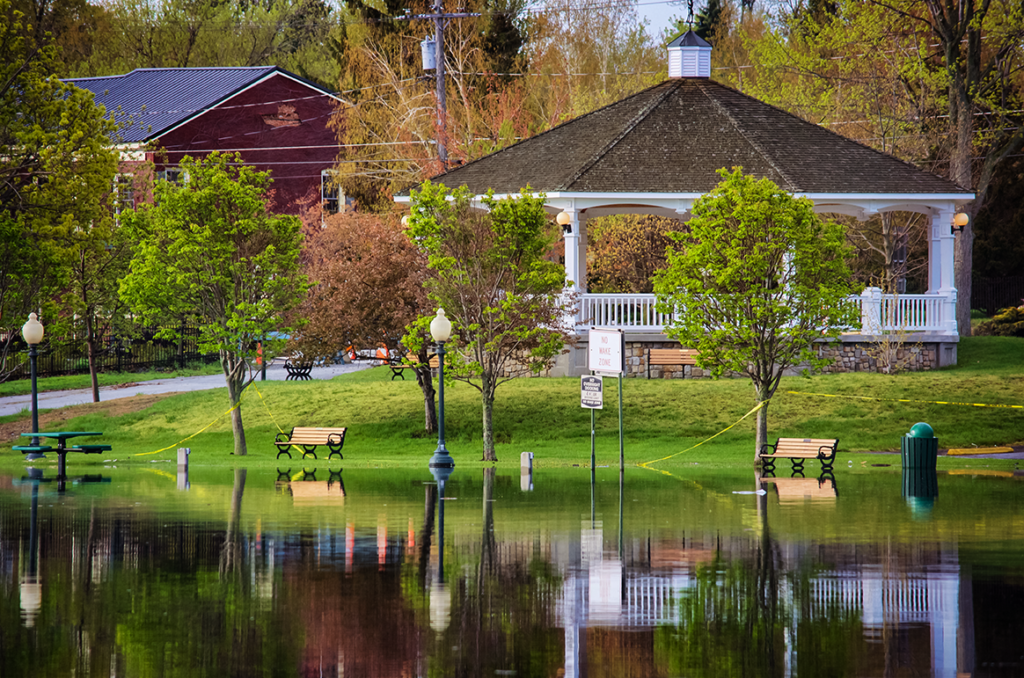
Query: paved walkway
54	399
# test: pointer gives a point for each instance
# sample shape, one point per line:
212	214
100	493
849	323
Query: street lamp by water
440	330
32	332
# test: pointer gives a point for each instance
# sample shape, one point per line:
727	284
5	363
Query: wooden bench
670	356
798	450
308	439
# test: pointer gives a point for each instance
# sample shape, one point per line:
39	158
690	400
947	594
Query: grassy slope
385	418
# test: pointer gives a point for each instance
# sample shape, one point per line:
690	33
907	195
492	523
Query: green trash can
920	448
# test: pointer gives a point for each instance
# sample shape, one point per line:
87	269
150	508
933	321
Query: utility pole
440	18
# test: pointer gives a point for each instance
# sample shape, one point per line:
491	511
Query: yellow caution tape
263	400
756	408
904	400
221	416
981	472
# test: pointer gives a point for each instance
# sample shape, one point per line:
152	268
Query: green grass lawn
77	381
867	412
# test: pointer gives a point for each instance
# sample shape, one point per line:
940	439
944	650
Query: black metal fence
137	351
993	294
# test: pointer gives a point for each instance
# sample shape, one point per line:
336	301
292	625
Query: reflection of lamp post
32	331
441	330
31	589
440	595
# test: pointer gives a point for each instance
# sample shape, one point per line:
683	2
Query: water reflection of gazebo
659	150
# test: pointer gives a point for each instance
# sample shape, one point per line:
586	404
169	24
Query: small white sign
592	393
606	351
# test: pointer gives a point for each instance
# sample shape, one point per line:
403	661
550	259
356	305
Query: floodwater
367	572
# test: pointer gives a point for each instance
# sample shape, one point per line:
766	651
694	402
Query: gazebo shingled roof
674	136
658	151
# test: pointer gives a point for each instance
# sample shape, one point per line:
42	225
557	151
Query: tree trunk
90	347
962	77
963	270
426	382
960	169
232	369
487	396
761	436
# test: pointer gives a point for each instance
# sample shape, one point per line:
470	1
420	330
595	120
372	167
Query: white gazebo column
581	251
941	242
574	267
940	252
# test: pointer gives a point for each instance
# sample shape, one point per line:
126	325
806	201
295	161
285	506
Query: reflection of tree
503	610
731	621
230	554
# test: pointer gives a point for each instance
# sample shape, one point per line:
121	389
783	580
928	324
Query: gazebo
659	150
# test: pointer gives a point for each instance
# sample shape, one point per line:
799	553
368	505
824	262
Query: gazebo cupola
689	56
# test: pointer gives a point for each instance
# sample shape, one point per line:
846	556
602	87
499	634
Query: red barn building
276	120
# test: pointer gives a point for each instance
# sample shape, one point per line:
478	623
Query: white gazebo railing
880	313
634	312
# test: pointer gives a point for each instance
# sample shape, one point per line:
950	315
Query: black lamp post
440	330
32	332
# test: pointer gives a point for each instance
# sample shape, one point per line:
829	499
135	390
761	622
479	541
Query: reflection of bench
792	490
798	450
318	492
670	356
398	369
309	439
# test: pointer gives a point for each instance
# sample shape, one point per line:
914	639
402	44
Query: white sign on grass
606	351
591	393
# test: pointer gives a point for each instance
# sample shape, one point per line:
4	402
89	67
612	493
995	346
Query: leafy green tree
194	33
755	280
95	254
933	82
210	250
56	167
486	269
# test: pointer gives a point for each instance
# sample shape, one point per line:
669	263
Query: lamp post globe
565	221
440	331
32	332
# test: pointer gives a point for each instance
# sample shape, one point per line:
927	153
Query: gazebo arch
658	151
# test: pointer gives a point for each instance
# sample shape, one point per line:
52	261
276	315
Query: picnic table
62	450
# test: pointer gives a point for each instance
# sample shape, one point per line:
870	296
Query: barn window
331	193
124	192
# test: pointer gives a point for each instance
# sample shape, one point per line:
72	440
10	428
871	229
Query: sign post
592	398
606	354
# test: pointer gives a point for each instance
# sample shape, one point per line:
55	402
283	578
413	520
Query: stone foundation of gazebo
916	351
